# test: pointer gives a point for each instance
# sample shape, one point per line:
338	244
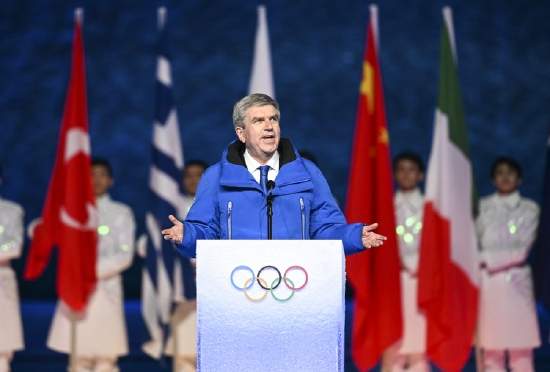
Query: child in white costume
101	329
506	226
11	242
409	354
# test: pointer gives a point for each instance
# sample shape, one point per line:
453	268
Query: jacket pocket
229	210
303	215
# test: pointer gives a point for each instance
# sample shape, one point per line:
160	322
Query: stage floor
36	357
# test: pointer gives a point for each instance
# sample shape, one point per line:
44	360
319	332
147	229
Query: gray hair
252	100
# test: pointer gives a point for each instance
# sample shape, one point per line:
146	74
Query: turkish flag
375	273
69	219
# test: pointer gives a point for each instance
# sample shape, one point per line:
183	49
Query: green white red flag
448	268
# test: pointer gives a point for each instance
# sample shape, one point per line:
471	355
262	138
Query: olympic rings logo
264	282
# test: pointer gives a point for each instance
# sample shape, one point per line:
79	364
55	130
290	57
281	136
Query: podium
270	305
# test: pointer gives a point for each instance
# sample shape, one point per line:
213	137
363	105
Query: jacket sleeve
203	219
327	220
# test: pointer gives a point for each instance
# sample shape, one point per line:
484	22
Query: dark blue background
317	50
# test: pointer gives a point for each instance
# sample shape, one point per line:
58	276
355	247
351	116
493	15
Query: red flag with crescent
69	219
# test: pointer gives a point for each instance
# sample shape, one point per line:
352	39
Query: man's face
407	175
191	177
261	132
506	180
101	180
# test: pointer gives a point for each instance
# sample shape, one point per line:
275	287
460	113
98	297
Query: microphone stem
269	217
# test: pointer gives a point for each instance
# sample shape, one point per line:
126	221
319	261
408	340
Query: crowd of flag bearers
458	263
452	276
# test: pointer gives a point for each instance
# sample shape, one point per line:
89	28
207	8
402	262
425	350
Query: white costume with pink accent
101	328
11	241
507	226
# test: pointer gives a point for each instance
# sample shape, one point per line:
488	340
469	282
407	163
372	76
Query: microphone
270	185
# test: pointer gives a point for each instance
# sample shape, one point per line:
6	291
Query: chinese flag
374	273
69	218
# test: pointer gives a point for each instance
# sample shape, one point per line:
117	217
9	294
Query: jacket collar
102	199
234	154
413	197
234	172
511	200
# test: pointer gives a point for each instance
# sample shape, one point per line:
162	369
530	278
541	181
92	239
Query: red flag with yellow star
375	273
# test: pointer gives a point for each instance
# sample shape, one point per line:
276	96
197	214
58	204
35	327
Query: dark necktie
264	169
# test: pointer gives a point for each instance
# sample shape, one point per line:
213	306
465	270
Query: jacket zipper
303	209
229	208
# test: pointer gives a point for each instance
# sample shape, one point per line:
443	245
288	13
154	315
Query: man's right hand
175	233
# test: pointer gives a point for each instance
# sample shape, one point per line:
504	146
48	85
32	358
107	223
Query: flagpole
72	355
173	330
78	14
261	77
161	20
373	9
78	17
448	17
161	17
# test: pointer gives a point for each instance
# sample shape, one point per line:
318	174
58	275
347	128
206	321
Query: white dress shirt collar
511	199
413	197
252	166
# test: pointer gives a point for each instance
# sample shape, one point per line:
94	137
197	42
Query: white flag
261	80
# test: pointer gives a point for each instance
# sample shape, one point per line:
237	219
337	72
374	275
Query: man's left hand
371	239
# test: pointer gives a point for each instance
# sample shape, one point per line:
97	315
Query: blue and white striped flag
165	271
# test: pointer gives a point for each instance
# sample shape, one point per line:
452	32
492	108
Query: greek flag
165	270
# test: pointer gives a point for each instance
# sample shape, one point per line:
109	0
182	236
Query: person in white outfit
185	314
409	353
101	329
506	226
190	178
11	242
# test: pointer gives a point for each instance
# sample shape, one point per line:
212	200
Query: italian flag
448	271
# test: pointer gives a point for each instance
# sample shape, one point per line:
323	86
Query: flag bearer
506	226
100	329
11	242
409	354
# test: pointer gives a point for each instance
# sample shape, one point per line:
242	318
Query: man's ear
239	132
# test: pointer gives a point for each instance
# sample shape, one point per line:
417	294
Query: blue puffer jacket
230	204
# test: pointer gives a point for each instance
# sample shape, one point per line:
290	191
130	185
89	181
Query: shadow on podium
37	357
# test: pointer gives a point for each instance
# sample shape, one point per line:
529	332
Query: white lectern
270	305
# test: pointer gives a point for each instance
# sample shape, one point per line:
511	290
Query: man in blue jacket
231	200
